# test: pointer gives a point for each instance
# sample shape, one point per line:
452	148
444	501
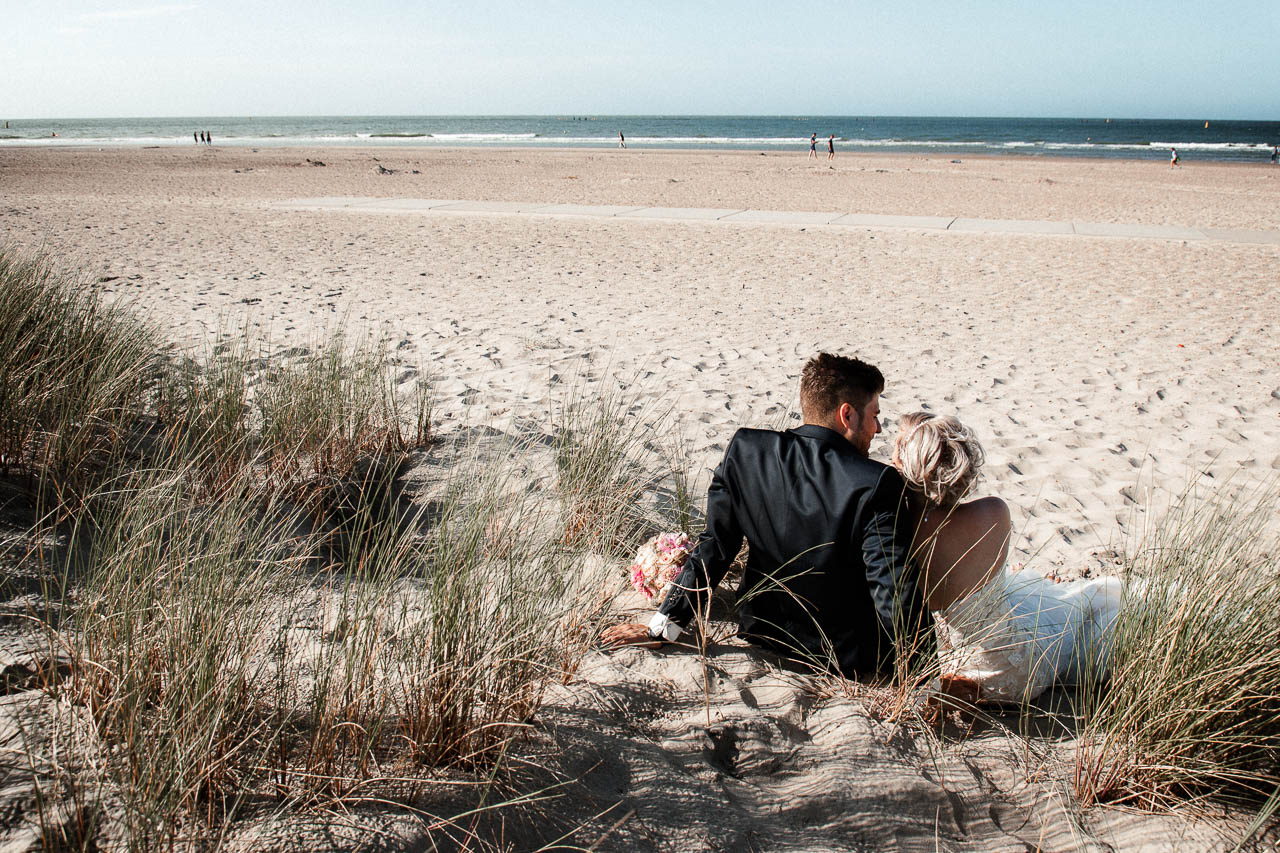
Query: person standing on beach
831	147
622	140
813	146
1275	154
195	134
1173	158
827	578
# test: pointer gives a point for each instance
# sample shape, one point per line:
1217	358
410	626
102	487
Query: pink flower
672	543
639	581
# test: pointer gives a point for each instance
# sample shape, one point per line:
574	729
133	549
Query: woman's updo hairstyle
938	456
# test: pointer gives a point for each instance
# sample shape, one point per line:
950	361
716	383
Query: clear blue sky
1146	59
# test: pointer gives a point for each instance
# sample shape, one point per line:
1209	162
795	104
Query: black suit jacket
827	576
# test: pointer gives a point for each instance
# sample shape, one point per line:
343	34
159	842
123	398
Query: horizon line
597	115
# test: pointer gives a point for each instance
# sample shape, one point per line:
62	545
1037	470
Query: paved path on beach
957	224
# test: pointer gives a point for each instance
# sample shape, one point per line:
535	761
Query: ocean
1237	141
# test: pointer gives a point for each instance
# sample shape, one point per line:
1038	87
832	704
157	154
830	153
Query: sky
115	58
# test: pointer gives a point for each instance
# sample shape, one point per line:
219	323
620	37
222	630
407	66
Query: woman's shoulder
989	506
988	512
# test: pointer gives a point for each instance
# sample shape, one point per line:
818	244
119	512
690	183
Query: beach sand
1101	374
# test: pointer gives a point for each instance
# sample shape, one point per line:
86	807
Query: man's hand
629	634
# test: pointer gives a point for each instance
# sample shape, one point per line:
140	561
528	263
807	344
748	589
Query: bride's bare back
958	545
959	548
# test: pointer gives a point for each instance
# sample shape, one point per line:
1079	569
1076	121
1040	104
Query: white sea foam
1214	146
262	141
1136	146
721	140
481	137
914	143
96	140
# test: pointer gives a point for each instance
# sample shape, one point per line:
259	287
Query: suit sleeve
716	549
891	576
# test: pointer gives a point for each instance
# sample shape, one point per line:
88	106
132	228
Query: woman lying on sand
1003	634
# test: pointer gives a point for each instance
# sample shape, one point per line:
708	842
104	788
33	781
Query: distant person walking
195	134
1173	158
208	138
831	147
622	140
1275	154
813	146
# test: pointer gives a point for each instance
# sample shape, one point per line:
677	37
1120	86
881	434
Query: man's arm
702	572
711	557
886	546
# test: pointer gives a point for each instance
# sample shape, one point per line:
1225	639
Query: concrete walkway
782	217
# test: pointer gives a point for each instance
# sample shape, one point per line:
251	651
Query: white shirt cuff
661	625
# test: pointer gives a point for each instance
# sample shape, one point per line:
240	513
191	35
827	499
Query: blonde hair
938	456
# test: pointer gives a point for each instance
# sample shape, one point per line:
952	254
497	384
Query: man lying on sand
827	578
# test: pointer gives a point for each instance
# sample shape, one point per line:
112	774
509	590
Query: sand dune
1092	369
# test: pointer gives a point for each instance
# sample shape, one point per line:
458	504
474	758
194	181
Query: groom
827	578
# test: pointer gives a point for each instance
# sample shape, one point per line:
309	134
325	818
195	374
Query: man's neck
835	432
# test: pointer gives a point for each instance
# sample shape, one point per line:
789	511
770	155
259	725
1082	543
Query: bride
1010	634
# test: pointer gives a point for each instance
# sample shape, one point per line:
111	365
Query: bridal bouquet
658	562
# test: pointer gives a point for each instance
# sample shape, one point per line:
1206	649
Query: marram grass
75	373
1192	707
259	613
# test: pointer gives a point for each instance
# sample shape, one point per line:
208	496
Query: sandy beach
1103	375
1091	368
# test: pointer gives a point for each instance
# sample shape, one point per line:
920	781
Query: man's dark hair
829	380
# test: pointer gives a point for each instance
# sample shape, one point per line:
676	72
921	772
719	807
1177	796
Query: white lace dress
1021	633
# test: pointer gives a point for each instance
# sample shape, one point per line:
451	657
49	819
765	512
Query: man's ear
846	417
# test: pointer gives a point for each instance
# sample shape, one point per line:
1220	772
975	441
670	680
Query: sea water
1244	141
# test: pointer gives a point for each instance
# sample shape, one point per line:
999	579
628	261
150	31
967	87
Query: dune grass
295	422
1192	708
594	442
230	664
206	413
175	607
75	373
598	435
322	415
261	612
